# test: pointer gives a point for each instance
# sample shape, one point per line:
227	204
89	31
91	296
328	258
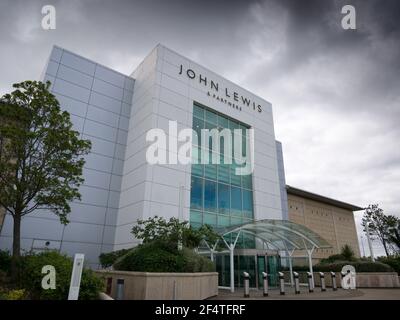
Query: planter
162	286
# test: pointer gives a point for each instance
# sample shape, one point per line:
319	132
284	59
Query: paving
329	294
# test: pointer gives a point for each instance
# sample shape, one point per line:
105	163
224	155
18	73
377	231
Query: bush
108	259
160	257
15	295
30	277
346	254
333	258
5	261
394	262
360	266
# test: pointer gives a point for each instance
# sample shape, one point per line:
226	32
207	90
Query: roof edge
320	198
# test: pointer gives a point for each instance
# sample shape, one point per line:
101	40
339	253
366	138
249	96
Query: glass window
247	203
224	198
247	181
210	196
196	193
223	173
210	219
210	171
233	124
236	201
223	221
198	112
223	122
219	197
197	126
235	178
196	216
211	117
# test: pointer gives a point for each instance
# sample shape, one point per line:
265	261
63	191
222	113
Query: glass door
273	266
261	267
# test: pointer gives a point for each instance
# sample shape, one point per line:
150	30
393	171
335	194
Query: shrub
108	259
30	269
394	262
360	266
15	295
5	261
156	256
346	254
333	258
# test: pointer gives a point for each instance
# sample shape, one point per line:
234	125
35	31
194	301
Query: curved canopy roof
279	234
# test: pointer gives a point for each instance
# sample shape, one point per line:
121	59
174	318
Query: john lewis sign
222	94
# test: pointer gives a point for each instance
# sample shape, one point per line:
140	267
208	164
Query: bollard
265	282
246	284
296	283
334	285
282	283
120	289
310	282
322	278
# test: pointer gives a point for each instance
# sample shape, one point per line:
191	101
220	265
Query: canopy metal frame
282	235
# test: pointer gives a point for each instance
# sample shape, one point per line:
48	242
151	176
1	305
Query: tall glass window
219	197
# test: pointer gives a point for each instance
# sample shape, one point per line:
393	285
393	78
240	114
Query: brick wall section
336	225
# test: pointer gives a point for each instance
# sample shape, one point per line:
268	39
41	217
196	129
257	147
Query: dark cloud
335	92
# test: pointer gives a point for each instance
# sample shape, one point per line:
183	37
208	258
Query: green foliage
360	266
348	253
15	295
393	261
380	226
173	231
5	261
42	148
108	259
158	256
41	155
30	277
394	234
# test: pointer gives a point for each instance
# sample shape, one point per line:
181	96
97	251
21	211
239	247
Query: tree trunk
16	245
385	247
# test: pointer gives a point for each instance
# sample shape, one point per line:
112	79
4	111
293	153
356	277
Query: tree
394	233
347	253
41	156
379	224
173	232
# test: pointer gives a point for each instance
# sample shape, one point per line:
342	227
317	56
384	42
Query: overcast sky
335	92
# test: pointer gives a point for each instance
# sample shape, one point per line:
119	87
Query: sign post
76	277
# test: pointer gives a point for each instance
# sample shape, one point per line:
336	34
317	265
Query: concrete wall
163	286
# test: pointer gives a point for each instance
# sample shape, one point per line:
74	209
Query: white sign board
76	276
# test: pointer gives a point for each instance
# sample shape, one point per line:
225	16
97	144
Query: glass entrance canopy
281	235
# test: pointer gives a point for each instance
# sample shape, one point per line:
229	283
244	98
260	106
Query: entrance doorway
271	265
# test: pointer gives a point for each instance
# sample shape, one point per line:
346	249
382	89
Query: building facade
115	112
331	219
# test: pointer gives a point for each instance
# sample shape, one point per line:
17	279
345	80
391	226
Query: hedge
360	266
30	277
394	262
159	257
108	259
